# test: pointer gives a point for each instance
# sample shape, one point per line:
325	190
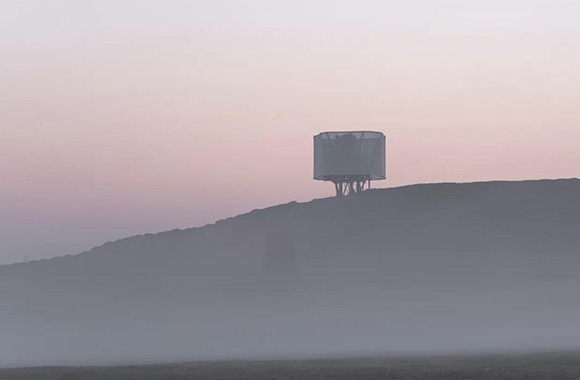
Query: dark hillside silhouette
423	268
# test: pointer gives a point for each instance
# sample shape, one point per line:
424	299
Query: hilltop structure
350	160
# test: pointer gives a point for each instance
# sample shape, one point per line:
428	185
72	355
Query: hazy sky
124	117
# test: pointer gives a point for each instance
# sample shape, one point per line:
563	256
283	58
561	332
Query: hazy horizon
128	117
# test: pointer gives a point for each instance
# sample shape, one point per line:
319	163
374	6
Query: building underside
349	185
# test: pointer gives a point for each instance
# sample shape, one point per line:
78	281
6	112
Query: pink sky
116	123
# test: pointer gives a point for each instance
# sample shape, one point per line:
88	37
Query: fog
413	270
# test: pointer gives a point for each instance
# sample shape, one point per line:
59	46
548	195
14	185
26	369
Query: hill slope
419	268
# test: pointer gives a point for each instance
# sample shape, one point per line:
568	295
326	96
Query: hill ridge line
259	210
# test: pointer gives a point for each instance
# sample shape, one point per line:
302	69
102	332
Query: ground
545	366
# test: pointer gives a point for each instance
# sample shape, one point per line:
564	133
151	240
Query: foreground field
557	366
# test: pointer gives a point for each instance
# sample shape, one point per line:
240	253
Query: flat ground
557	366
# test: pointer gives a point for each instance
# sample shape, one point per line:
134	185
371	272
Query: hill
423	268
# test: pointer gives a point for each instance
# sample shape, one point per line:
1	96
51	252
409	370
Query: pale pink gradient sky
140	116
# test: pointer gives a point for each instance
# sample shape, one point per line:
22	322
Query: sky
126	117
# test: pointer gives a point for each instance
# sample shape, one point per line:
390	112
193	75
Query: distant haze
125	117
